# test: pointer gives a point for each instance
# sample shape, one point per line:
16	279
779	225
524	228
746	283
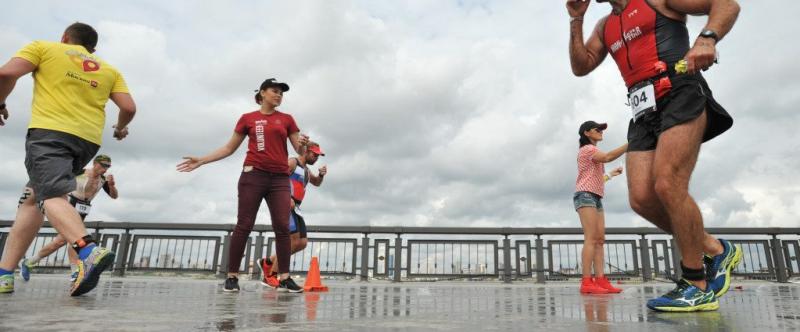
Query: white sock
73	267
35	259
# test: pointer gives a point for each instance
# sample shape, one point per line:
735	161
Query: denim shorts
585	198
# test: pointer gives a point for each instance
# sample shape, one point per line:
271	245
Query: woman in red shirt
265	176
588	202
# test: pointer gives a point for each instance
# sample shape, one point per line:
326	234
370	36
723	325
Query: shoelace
679	289
709	262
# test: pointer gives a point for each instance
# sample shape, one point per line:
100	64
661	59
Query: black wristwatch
709	34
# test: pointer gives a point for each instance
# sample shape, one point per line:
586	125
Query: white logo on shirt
629	35
260	146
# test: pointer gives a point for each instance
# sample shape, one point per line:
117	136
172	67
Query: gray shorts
53	159
585	198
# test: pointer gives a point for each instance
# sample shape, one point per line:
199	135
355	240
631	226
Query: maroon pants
254	186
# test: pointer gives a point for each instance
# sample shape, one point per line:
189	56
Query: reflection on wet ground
140	304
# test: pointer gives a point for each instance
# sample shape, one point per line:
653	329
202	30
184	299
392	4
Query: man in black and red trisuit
672	113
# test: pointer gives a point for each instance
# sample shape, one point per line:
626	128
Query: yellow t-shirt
71	89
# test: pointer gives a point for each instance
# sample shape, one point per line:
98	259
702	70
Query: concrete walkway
175	304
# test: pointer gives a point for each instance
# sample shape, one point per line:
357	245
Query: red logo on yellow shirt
83	62
90	65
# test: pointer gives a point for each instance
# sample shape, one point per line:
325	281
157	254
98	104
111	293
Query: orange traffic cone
313	282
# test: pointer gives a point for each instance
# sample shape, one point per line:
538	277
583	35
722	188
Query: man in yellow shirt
71	89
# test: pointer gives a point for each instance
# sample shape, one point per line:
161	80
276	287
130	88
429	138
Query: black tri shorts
297	224
688	98
74	201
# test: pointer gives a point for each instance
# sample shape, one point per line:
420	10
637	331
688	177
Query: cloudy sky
432	113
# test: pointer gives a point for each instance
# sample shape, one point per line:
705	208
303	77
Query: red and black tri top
639	38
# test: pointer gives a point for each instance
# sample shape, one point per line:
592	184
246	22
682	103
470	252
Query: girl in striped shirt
588	202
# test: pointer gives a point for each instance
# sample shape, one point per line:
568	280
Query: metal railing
427	253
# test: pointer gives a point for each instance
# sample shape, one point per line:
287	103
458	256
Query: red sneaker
604	283
272	281
588	286
266	273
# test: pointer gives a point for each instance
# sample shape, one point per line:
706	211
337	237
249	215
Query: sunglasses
598	130
104	165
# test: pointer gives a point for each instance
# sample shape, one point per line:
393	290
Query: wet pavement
181	304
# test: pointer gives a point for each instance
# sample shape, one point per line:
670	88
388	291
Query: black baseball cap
589	125
271	82
268	83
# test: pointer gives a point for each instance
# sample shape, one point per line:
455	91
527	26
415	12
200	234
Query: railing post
398	255
780	262
676	258
259	253
2	243
96	234
122	253
540	277
506	260
645	254
223	268
365	258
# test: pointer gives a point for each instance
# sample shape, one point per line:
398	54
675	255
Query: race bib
82	208
642	100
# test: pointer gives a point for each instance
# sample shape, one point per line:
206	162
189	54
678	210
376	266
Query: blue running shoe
89	270
685	298
719	267
25	268
7	283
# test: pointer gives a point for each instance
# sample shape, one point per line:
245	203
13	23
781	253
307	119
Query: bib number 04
642	100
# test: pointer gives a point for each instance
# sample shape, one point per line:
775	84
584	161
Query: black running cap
589	125
271	82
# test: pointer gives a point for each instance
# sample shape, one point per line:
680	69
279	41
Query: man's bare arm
722	14
584	58
9	74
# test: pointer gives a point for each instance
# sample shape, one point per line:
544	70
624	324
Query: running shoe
89	270
288	285
7	283
603	282
265	264
719	267
685	298
267	277
73	276
231	285
25	268
272	281
588	286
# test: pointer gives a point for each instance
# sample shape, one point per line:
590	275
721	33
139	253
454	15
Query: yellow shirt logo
82	61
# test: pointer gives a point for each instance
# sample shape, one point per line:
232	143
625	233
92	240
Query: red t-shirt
267	134
590	172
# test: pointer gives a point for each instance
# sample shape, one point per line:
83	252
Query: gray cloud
432	113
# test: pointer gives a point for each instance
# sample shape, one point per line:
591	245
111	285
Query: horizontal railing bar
428	275
429	230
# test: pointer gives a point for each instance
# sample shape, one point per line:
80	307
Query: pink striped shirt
590	173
